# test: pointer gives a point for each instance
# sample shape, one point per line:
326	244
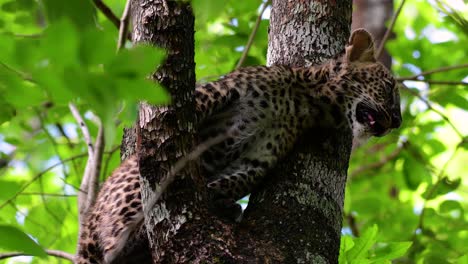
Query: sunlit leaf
443	186
345	245
391	251
415	172
19	241
363	244
80	12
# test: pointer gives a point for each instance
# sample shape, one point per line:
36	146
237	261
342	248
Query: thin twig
389	30
22	75
252	35
48	194
63	134
352	224
429	72
429	105
84	128
95	171
27	35
431	191
30	219
84	186
55	147
435	81
106	163
40	175
50	252
380	163
109	14
179	165
123	27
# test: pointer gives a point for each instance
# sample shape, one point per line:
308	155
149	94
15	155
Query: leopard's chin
372	120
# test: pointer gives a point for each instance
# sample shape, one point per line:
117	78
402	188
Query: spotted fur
262	111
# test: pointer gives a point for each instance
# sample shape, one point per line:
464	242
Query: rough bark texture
302	206
296	216
373	15
180	229
306	31
165	134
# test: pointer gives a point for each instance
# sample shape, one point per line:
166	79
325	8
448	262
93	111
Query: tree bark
296	216
179	227
302	205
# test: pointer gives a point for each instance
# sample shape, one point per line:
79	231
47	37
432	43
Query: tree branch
109	14
389	29
432	189
106	163
21	74
429	72
84	186
95	170
90	180
352	224
123	26
48	194
63	134
252	35
50	252
40	175
429	105
436	81
84	128
380	163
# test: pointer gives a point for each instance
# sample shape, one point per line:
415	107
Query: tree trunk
296	216
302	206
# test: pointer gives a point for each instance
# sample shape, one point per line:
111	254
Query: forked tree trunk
296	216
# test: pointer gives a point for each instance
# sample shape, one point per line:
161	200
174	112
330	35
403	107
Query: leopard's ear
360	47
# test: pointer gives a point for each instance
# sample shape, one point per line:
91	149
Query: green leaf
449	206
25	4
8	189
15	240
80	12
462	260
97	46
391	251
452	97
464	143
415	173
135	63
206	10
60	44
7	111
363	244
10	7
345	245
443	186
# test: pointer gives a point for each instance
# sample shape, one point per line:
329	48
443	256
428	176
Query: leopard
262	111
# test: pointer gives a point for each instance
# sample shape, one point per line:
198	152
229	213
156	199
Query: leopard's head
373	100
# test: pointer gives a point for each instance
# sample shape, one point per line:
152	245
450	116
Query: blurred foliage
407	193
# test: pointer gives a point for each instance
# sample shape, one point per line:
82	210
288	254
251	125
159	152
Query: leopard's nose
396	119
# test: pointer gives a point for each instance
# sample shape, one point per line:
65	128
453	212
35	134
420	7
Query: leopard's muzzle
379	123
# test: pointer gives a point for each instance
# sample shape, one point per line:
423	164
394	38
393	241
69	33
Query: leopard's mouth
372	119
